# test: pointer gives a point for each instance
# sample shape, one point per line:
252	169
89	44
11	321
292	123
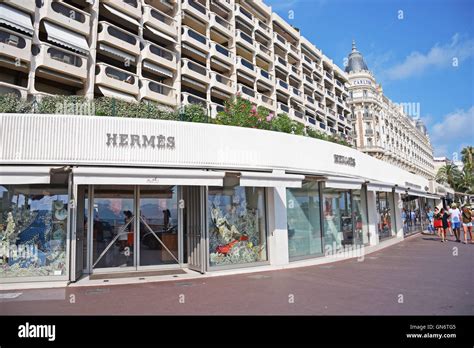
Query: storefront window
338	223
304	221
359	198
385	222
411	214
33	230
236	225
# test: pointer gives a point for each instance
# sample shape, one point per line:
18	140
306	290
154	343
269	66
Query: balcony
222	82
280	41
158	92
339	85
123	40
247	93
294	50
117	79
328	76
62	61
264	51
322	125
332	130
194	39
368	116
281	63
246	67
310	102
282	86
308	81
188	98
312	121
264	76
222	53
194	70
220	24
341	118
331	112
295	73
215	109
245	40
18	91
263	29
296	93
282	108
244	15
15	45
196	9
26	6
340	101
159	55
224	4
160	21
130	7
67	16
308	62
369	132
297	113
330	94
265	101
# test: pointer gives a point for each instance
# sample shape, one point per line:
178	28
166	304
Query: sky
419	51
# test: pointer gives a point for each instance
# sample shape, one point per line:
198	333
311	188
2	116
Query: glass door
113	232
158	226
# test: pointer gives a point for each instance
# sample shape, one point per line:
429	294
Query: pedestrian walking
455	218
438	223
430	216
445	221
467	222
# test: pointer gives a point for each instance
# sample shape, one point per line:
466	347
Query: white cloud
455	128
439	56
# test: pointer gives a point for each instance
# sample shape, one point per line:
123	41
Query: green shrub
194	113
283	123
10	103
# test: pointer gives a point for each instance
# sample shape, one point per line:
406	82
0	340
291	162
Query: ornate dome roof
355	61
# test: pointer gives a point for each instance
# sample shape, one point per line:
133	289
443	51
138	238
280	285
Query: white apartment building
173	53
382	128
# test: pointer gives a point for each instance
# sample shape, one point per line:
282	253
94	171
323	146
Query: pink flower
270	116
254	109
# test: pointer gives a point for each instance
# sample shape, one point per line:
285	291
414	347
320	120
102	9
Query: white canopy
160	34
117	52
16	19
121	15
19	175
158	69
112	93
273	179
66	38
344	183
146	176
379	187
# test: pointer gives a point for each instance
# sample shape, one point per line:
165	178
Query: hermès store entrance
131	229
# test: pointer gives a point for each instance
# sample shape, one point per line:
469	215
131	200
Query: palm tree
468	157
466	181
449	174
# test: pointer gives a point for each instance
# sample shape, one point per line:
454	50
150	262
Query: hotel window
237	224
33	230
365	93
304	221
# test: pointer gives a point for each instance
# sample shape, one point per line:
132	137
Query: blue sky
411	46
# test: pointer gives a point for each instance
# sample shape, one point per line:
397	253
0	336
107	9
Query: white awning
401	190
380	187
420	194
18	175
16	19
146	176
121	15
343	183
117	52
66	38
157	68
194	50
112	93
274	179
160	34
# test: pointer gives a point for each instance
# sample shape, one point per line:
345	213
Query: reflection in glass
158	225
411	214
359	198
384	214
236	225
304	220
337	219
33	228
114	220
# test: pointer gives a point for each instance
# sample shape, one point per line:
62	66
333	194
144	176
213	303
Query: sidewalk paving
422	272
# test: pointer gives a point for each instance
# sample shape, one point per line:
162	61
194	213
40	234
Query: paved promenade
418	276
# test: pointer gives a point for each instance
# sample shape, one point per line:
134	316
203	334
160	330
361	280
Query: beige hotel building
171	52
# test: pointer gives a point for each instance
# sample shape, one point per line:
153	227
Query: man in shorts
455	217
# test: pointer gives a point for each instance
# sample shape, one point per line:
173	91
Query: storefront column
397	210
372	218
277	226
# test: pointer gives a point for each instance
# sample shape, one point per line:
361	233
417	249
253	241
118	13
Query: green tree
468	158
449	174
